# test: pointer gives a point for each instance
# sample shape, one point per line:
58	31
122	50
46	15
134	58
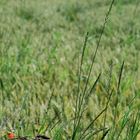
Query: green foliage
42	90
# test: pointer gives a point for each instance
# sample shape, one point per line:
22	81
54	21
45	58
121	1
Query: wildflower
11	135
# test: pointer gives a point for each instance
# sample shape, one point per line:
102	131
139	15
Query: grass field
46	87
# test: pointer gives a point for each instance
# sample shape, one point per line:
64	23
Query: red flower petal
11	135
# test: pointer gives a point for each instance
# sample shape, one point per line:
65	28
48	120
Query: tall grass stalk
81	95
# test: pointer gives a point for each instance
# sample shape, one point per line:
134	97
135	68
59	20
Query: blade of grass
118	90
105	134
87	128
91	134
79	75
81	98
93	86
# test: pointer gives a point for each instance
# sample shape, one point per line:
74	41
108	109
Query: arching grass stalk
80	97
79	77
118	90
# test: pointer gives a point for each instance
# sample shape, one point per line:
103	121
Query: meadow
69	70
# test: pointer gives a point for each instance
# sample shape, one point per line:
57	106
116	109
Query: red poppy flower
11	135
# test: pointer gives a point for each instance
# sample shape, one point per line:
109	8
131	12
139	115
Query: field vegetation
69	70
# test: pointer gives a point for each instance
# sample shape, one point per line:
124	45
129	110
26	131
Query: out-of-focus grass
40	47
